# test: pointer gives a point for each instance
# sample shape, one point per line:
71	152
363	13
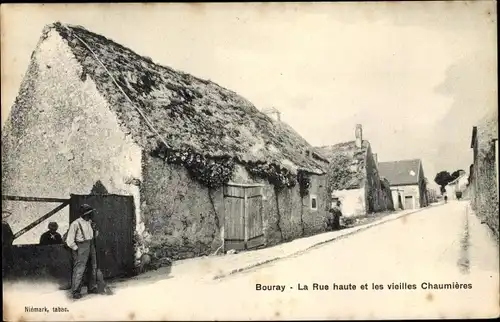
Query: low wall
37	262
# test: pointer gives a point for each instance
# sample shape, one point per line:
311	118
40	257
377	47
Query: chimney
375	157
359	135
273	113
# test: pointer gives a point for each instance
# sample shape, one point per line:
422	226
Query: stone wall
376	198
315	221
387	195
61	138
485	197
182	218
484	194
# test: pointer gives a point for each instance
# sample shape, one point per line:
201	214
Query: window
314	202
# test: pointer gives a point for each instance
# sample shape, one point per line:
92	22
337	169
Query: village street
441	244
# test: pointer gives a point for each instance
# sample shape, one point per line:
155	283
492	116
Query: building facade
457	187
353	177
204	166
407	180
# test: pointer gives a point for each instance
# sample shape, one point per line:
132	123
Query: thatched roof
189	113
347	164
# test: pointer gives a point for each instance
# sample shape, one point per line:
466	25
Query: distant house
407	179
458	185
206	169
483	179
353	177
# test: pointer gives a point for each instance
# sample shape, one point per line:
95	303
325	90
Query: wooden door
243	226
115	218
408	202
234	222
254	217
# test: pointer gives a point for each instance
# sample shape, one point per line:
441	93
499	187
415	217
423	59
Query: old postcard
249	161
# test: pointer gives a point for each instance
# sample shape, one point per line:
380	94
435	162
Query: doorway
243	222
409	202
115	217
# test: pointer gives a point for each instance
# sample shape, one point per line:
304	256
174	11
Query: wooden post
33	199
245	214
223	223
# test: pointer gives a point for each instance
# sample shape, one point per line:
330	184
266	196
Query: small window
314	203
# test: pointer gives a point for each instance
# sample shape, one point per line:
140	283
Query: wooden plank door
243	227
116	221
234	222
254	218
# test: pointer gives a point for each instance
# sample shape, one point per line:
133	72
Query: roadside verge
302	245
219	267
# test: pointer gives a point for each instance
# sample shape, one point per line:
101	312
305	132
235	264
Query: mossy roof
355	173
189	113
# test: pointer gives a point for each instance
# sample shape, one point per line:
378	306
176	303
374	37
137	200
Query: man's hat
86	209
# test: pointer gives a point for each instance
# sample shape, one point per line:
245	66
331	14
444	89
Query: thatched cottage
205	167
353	177
483	180
407	180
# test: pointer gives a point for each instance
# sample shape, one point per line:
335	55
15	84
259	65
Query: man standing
80	239
51	237
336	211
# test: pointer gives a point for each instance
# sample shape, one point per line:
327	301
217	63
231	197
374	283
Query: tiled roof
404	172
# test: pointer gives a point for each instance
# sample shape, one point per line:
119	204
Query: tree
456	174
442	179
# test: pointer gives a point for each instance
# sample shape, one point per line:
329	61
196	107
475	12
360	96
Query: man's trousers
84	257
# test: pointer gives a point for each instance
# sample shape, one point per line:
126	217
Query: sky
416	75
